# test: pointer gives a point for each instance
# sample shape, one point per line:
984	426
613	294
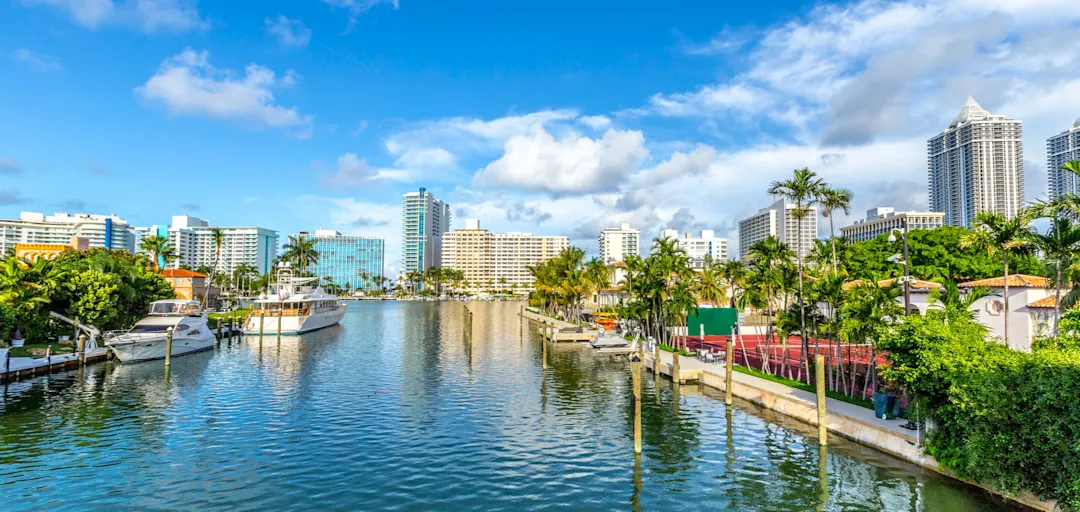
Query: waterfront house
189	285
1029	299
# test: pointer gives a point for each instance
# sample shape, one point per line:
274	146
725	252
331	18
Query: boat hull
294	324
154	349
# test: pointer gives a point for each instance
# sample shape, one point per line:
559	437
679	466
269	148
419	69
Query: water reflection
397	409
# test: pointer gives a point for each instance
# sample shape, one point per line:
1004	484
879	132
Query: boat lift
92	331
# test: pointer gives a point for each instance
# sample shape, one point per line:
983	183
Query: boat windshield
174	308
139	329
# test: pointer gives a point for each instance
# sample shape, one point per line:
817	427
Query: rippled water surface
393	410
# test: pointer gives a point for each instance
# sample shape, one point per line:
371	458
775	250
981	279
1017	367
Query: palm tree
598	275
998	235
158	249
301	252
765	282
870	308
831	200
804	189
1060	245
957	306
711	286
734	273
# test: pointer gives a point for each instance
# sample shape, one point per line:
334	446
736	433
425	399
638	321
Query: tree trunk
1006	298
1057	298
832	238
802	303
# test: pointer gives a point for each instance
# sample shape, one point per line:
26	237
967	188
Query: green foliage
1004	418
935	256
104	288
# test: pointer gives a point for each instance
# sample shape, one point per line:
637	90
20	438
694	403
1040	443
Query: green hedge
1005	418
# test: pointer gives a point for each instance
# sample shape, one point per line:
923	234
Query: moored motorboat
294	305
146	340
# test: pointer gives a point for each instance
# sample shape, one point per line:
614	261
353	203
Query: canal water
393	410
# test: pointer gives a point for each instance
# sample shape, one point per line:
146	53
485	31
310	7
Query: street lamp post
907	270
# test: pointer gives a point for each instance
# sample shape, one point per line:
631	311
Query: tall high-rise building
355	262
497	260
707	245
883	220
618	243
424	219
102	231
1062	148
780	219
192	239
975	165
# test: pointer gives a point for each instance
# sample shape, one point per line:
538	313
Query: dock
558	330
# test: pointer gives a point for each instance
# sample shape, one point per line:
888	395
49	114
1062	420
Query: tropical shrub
1004	418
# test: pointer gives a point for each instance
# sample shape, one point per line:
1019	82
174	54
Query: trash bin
884	405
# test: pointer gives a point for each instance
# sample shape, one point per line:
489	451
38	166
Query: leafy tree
158	249
94	299
1059	246
957	306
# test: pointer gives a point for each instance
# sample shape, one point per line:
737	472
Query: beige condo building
497	261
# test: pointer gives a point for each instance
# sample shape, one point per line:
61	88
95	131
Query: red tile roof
1046	303
917	284
180	272
1015	280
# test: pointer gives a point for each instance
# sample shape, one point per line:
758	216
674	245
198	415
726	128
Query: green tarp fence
717	321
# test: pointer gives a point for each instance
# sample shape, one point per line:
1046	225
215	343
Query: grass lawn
25	350
869	404
238	314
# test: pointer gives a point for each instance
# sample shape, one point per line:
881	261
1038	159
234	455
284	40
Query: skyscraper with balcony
780	219
424	219
108	231
698	249
618	243
1062	148
192	239
497	261
975	165
352	262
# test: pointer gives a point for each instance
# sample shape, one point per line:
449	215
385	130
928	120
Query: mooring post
168	346
281	316
656	358
219	333
729	356
82	348
822	429
262	320
635	368
544	344
675	374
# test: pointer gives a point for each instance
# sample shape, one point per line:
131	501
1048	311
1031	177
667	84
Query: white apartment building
424	220
497	261
193	240
882	220
707	245
975	165
780	220
103	231
1062	148
617	243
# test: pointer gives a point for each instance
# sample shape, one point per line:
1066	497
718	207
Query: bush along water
1004	418
101	287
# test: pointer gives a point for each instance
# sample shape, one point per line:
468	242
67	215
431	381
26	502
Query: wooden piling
219	333
675	374
728	369
279	318
635	366
82	348
168	346
823	430
544	343
262	320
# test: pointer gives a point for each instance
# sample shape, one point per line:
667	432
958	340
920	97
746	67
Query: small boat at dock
146	340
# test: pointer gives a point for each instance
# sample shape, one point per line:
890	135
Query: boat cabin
175	308
304	308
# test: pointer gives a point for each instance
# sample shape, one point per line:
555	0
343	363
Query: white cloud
596	122
187	84
289	32
573	164
353	171
10	166
145	15
428	158
39	61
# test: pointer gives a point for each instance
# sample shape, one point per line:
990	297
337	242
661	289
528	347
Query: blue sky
554	117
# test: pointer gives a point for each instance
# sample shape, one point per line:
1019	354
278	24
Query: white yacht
146	340
297	304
